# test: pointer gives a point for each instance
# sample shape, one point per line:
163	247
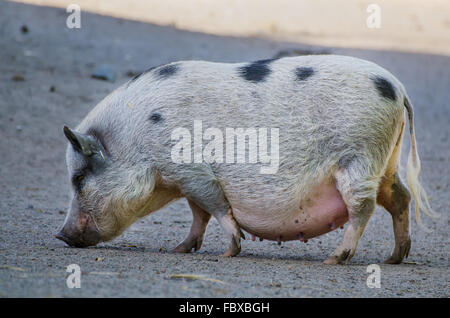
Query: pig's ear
83	144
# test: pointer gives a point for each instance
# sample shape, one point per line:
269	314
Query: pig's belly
321	212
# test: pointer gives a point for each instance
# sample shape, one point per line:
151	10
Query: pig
336	121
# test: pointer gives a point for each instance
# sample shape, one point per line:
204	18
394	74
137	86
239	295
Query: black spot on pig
155	117
303	73
167	71
135	77
256	71
385	88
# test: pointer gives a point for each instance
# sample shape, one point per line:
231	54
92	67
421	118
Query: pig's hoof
393	260
332	260
182	249
187	245
345	256
235	247
231	252
400	253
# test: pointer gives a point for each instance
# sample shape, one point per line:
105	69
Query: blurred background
406	25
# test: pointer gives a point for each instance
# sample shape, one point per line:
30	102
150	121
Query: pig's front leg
203	189
229	224
358	188
195	238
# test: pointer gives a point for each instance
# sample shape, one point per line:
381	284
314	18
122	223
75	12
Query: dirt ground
45	83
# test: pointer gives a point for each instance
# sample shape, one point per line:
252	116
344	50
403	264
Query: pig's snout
80	231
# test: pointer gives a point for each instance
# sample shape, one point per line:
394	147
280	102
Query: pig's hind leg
358	187
395	198
195	238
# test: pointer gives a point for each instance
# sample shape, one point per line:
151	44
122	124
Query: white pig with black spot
341	122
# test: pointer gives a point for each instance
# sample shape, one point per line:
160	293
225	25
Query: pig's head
106	197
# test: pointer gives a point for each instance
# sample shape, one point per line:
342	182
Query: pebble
18	78
104	72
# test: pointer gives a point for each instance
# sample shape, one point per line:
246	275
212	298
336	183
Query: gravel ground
45	83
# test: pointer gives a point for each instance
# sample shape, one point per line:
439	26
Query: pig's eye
78	181
79	178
